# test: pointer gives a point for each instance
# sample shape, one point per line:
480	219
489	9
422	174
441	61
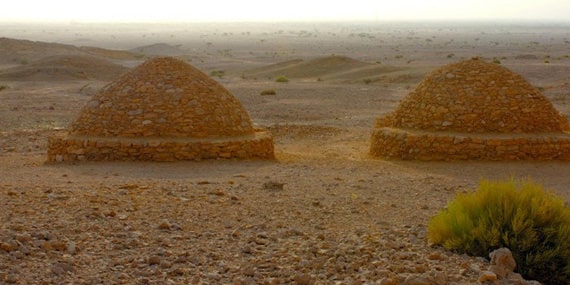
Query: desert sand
324	212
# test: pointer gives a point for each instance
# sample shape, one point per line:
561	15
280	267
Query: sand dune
299	68
334	68
65	67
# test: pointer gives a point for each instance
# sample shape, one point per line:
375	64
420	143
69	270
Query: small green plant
268	92
282	79
496	61
534	224
450	55
217	73
2	87
367	80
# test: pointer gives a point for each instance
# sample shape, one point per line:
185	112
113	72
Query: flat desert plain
323	212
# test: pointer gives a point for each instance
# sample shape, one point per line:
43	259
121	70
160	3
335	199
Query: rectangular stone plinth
392	143
73	148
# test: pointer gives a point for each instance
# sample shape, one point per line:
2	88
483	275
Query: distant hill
314	68
15	51
65	67
336	68
109	53
24	51
160	49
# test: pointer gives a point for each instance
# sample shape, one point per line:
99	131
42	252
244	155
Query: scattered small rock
12	278
502	267
8	247
435	256
62	268
417	280
273	186
165	264
154	260
249	271
387	281
303	279
164	225
488	276
502	262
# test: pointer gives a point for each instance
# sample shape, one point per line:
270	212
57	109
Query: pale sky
282	10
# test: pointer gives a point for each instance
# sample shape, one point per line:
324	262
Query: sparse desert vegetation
268	92
324	212
217	73
520	215
282	79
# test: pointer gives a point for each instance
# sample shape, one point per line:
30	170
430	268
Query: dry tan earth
339	216
322	213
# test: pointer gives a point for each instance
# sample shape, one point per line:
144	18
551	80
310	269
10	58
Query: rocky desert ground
323	212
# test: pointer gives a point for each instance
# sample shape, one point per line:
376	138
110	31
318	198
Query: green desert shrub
2	87
268	92
217	73
282	79
533	223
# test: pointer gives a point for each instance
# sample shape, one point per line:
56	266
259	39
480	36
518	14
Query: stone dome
163	97
476	96
162	110
473	110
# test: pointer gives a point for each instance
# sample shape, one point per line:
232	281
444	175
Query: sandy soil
322	213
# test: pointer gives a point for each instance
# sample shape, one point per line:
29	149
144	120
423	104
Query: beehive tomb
473	110
162	110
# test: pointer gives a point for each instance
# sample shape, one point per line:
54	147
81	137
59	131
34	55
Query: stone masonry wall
476	96
72	148
473	110
394	143
163	97
163	110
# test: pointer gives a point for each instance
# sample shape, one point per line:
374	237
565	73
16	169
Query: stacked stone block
473	110
63	147
162	110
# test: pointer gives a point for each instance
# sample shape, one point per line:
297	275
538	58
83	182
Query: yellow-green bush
282	79
268	92
217	73
533	223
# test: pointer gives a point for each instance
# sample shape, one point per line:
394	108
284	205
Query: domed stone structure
473	110
162	110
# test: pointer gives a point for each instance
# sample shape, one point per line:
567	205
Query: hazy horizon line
293	21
